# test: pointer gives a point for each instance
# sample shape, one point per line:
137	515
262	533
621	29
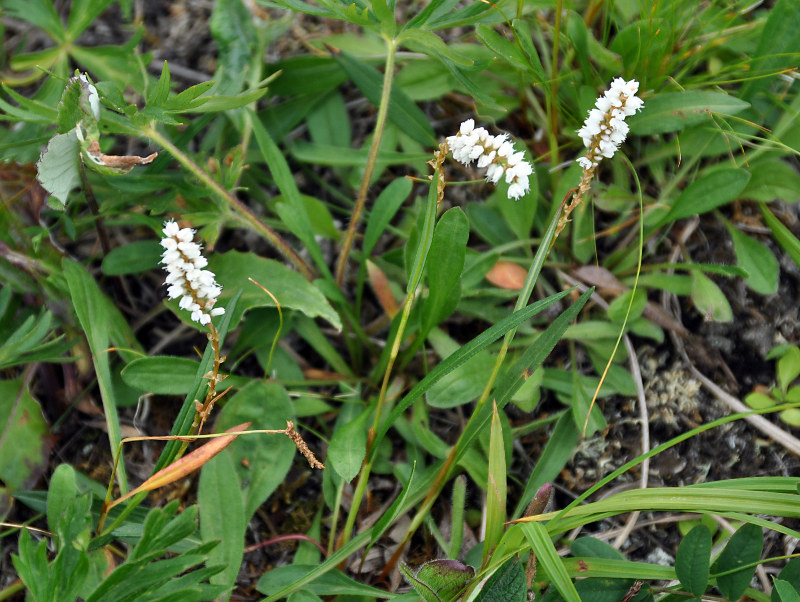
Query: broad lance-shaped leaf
261	462
674	111
219	494
290	289
24	438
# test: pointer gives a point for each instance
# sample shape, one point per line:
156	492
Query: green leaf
132	258
69	111
233	29
783	591
393	513
423	589
594	548
162	374
773	180
708	192
503	48
222	516
776	48
291	290
349	444
63	489
464	384
278	582
693	560
756	259
709	300
788	368
220	102
261	461
28	109
385	16
329	122
557	451
448	249
507	584
383	210
790	417
402	111
81	14
339	156
547	557
759	401
496	488
432	45
24	439
522	31
743	548
674	111
618	308
91	308
461	356
783	235
440	580
58	168
789	574
422	16
317	572
160	93
580	404
40	13
295	215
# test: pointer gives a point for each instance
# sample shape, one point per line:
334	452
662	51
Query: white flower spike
605	129
186	277
495	153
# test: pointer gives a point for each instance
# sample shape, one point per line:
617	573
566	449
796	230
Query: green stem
244	213
372	157
415	281
367	468
552	105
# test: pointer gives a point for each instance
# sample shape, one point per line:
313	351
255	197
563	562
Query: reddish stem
290	537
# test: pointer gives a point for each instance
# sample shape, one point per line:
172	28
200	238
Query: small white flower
605	129
495	153
184	262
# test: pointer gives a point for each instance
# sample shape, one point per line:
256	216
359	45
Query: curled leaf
188	464
118	164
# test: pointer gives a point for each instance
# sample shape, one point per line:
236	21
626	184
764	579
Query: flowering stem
246	215
372	157
576	200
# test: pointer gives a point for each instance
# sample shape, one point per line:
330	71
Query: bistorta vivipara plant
603	132
198	291
495	153
186	277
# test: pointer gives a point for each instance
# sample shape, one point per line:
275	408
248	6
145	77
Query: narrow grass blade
495	487
548	559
